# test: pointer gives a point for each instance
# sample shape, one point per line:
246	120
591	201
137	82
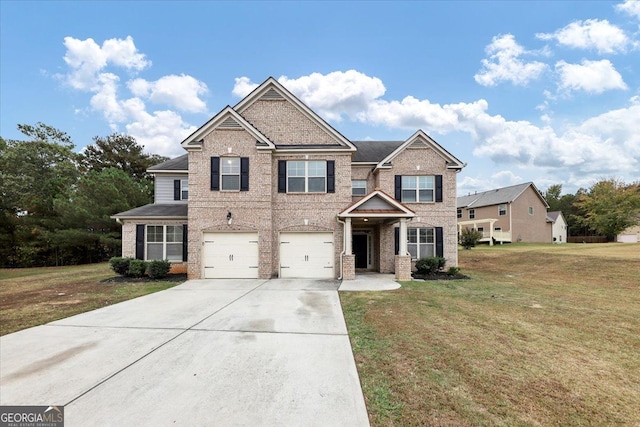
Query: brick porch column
403	267
348	267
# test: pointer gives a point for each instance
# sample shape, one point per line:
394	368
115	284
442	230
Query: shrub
157	269
430	265
453	271
137	268
120	265
470	237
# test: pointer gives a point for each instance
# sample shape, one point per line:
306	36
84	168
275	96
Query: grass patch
35	296
540	335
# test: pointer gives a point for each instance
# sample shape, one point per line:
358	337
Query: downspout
344	244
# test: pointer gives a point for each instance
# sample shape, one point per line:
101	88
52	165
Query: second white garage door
307	255
230	256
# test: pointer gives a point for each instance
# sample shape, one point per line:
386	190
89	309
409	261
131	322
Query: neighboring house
511	214
558	227
630	235
269	189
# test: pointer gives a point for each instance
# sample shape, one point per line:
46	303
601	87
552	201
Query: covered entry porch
369	237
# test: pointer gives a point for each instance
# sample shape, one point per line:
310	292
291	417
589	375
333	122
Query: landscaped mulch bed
181	277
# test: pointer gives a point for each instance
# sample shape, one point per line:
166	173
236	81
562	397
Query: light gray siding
164	188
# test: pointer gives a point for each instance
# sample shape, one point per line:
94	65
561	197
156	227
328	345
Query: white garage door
230	255
307	255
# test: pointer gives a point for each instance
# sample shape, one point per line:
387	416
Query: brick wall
423	160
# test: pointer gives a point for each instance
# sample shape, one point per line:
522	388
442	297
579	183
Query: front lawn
541	335
34	296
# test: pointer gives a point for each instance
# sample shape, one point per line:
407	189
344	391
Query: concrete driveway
204	353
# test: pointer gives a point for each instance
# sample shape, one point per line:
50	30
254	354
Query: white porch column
491	232
348	250
402	250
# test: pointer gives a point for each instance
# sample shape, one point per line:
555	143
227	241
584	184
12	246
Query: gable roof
230	119
377	204
554	215
373	151
272	88
497	196
421	137
178	164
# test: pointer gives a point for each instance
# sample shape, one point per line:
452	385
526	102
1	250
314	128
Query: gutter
344	244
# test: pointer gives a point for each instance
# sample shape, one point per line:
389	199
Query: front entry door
360	250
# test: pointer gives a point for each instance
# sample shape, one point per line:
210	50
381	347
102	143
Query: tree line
56	204
605	209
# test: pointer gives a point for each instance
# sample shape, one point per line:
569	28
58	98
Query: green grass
35	296
541	335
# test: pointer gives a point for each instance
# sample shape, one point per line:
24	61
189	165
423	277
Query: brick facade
297	134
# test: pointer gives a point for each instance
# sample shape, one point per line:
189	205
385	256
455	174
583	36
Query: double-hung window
184	189
472	213
164	242
502	209
180	189
358	187
421	242
417	188
230	173
306	176
459	213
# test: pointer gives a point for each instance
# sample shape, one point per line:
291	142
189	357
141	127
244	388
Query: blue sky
546	91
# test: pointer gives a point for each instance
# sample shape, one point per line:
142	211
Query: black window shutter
331	176
396	239
140	241
438	188
185	242
215	174
176	189
282	176
439	242
244	174
398	186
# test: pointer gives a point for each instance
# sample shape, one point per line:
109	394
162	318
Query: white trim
349	212
420	135
272	83
195	139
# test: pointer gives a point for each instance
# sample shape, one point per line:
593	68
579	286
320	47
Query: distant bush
157	269
453	271
470	238
137	267
120	265
430	265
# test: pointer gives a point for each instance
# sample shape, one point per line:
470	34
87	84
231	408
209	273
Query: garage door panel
307	255
230	255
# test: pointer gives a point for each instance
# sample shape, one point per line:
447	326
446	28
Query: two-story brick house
269	189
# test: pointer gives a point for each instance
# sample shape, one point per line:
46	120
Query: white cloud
590	34
504	63
159	131
348	92
243	87
332	95
182	92
86	58
630	7
589	76
600	146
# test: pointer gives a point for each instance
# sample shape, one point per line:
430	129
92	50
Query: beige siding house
269	189
510	214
